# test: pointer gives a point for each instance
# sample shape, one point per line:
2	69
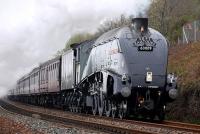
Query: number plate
145	48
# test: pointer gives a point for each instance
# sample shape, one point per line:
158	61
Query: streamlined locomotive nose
148	75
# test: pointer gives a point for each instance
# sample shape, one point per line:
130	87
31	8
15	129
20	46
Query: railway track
103	124
183	126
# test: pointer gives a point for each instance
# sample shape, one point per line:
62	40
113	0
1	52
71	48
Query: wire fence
191	32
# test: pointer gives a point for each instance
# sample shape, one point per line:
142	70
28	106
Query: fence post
195	31
184	36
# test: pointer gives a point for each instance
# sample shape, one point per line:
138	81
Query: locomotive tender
123	72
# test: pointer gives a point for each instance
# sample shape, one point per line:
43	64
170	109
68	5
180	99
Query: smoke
33	31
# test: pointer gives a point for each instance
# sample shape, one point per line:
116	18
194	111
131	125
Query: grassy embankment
184	61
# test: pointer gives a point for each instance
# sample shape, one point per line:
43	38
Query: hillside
184	61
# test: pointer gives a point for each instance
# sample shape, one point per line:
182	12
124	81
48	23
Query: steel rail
66	120
94	123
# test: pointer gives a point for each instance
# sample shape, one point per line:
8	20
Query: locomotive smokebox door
149	77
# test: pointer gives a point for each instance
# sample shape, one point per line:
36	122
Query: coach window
34	78
46	74
49	70
37	76
42	76
49	67
55	69
54	72
57	74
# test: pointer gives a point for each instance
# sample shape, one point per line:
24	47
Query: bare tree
168	16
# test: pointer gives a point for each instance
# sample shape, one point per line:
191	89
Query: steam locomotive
121	73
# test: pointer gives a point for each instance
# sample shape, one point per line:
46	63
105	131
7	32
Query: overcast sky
32	31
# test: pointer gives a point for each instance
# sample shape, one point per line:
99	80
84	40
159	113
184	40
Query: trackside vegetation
184	60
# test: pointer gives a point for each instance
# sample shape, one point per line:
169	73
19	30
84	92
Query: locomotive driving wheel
94	104
113	110
161	113
108	107
122	109
101	103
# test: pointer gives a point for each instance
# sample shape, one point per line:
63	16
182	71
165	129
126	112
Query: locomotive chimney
140	24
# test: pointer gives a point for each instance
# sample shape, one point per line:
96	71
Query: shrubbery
185	62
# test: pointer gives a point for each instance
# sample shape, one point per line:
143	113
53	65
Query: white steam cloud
32	31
